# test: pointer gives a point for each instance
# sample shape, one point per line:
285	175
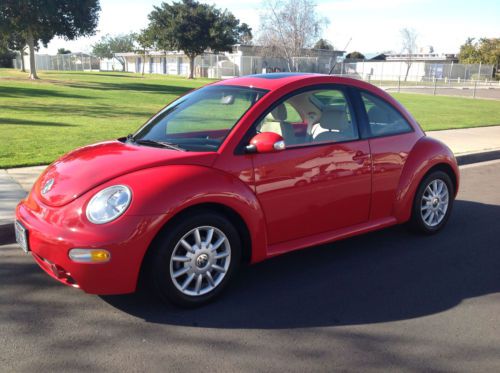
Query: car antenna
335	64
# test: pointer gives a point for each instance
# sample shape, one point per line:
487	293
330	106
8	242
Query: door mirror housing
266	142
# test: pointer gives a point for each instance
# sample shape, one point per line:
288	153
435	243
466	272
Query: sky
371	26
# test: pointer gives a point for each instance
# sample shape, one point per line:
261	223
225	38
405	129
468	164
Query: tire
187	268
431	209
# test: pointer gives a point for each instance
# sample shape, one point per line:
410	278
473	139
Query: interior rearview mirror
227	100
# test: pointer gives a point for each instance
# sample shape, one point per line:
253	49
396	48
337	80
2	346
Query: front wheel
433	203
195	259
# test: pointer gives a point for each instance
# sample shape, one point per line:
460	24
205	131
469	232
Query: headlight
109	204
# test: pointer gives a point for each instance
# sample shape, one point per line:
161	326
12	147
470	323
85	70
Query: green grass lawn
43	119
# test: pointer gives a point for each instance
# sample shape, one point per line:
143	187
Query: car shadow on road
379	277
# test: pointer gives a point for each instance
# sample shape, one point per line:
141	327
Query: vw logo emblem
47	186
202	261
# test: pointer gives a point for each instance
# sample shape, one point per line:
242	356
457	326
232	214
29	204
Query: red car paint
279	196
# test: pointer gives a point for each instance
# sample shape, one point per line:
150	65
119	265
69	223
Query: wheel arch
447	169
232	215
428	155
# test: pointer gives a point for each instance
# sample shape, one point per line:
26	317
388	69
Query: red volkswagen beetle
235	172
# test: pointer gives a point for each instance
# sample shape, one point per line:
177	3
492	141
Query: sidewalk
470	140
467	144
10	194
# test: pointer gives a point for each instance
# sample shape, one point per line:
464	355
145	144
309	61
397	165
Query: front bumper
53	232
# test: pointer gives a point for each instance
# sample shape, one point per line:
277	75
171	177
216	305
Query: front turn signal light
89	255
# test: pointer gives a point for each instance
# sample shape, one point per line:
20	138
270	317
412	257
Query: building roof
420	56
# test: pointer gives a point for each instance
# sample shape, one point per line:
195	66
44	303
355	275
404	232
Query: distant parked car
235	172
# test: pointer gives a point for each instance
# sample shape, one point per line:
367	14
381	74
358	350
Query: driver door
318	183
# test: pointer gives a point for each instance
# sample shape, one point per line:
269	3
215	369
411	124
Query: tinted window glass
382	117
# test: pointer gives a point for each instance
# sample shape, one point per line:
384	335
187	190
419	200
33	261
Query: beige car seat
333	126
275	120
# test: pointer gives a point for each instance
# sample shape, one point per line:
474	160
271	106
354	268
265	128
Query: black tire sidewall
165	244
417	222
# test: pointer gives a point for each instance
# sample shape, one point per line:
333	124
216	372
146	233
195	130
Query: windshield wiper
159	144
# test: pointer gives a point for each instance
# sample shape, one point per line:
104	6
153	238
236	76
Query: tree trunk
23	67
191	66
408	65
31	46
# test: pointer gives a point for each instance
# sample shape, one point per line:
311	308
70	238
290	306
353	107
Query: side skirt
322	238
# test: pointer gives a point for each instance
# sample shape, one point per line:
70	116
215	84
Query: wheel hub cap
434	203
200	261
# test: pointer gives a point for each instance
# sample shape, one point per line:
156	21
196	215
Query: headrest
333	119
279	113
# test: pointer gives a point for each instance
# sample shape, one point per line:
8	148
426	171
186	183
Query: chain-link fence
415	71
63	62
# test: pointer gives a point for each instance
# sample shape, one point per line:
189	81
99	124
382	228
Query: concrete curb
469	158
7	233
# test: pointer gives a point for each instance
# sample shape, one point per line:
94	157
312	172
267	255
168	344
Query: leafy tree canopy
40	20
484	50
109	45
323	44
355	55
63	51
193	27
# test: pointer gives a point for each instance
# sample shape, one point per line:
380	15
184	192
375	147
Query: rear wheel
195	259
433	203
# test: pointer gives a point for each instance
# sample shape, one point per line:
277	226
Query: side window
312	117
383	118
280	119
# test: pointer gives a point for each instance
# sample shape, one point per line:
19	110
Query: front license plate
22	236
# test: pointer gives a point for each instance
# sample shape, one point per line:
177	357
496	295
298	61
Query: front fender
168	190
426	153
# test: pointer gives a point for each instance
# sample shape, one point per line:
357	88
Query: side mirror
266	142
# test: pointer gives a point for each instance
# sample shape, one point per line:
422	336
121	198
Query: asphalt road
385	301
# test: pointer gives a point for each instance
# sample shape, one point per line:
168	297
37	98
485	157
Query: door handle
360	157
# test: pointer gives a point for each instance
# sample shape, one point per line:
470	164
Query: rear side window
383	119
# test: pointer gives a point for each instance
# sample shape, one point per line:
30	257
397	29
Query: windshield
199	121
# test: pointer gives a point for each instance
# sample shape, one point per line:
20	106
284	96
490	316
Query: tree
145	40
63	51
193	27
109	45
6	55
41	20
323	44
288	27
409	41
483	51
245	34
355	56
14	41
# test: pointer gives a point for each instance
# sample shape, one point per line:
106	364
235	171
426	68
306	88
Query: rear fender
426	154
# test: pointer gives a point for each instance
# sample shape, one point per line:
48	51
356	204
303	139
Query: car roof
272	81
268	81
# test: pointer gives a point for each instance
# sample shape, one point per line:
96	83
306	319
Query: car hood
85	168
